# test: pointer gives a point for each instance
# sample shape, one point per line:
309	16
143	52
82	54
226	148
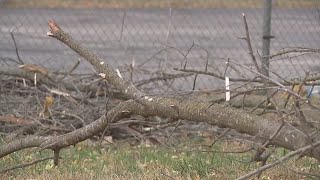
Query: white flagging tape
227	89
35	79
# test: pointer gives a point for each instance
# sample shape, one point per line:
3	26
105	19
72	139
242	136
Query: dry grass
158	4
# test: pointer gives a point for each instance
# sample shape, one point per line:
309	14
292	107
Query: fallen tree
304	139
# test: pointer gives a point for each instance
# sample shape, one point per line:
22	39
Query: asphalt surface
120	36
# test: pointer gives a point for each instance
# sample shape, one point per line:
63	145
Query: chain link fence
160	35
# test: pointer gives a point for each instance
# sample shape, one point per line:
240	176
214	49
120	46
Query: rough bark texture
21	144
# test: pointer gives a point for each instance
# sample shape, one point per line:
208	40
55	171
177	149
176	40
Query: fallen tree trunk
279	133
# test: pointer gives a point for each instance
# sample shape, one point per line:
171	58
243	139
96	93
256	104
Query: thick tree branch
28	142
223	116
288	137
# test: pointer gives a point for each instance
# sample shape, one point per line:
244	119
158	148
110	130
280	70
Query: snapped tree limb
288	136
216	114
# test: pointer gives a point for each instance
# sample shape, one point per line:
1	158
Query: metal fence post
266	36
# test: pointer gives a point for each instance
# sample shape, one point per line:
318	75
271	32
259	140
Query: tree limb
288	137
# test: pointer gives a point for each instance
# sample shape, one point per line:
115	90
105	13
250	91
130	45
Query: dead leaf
34	68
48	102
10	118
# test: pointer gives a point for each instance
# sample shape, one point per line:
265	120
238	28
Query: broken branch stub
103	68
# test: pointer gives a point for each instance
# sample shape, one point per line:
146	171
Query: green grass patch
140	162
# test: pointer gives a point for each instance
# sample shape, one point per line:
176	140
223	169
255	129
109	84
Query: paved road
119	36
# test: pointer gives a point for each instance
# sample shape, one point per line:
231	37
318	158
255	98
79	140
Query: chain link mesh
160	35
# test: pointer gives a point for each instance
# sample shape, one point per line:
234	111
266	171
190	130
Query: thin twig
294	50
220	136
122	24
15	44
185	56
70	71
24	165
253	58
281	160
194	82
168	33
271	80
164	77
266	100
175	128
